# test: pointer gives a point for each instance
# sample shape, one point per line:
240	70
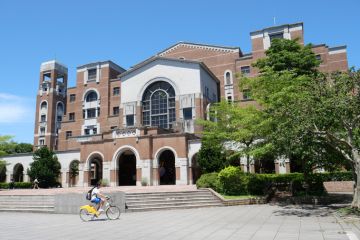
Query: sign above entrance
126	133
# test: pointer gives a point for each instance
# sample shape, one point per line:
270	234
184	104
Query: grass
238	197
345	211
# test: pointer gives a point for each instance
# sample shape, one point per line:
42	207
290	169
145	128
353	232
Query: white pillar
146	171
182	163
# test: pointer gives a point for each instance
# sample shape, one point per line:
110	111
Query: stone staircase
27	203
137	202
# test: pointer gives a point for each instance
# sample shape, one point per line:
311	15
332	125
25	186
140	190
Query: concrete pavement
255	222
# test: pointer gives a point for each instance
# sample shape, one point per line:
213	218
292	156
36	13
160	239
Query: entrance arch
195	169
73	172
167	171
95	169
18	173
3	173
127	168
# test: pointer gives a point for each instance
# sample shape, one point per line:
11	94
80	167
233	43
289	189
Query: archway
73	172
95	170
127	169
167	171
2	173
18	173
195	169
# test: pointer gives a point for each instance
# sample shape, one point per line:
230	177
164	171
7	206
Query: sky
127	32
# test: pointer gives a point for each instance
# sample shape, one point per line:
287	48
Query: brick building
138	125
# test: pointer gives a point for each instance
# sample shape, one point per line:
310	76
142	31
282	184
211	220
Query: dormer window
276	36
92	75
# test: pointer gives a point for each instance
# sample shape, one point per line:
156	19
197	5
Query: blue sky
79	32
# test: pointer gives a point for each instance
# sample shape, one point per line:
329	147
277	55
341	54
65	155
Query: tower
50	104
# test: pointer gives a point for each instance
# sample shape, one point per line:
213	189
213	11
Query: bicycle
89	212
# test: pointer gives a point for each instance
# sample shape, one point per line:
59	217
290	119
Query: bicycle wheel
85	215
113	212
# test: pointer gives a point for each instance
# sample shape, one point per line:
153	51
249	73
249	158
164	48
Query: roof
94	64
199	45
278	26
156	58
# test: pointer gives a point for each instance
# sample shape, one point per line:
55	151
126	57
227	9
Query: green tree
211	157
237	129
7	146
45	167
74	170
314	116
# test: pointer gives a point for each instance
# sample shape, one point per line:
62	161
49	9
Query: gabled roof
156	58
200	46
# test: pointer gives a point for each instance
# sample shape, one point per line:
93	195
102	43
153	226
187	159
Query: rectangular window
130	120
42	131
47	77
113	127
87	131
116	111
318	57
68	134
229	99
247	94
187	113
72	116
92	74
245	70
91	113
43	118
72	97
59	118
41	142
116	91
94	130
276	36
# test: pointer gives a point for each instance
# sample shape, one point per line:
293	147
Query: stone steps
137	202
27	203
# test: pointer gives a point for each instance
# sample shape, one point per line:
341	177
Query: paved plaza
256	222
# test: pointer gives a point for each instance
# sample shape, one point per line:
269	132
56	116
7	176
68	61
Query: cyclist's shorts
96	200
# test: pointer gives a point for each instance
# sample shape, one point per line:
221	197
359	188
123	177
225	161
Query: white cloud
15	109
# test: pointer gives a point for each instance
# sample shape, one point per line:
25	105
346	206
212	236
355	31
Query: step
27	206
169	193
172	207
171	204
27	210
170	200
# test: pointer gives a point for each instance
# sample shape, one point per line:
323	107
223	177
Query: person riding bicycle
97	197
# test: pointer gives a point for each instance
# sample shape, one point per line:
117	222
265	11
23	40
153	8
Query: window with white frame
158	105
92	74
245	70
228	78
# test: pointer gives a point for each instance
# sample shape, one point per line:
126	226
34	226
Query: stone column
106	171
282	165
181	165
145	170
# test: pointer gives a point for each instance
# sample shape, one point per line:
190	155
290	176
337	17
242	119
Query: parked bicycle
89	212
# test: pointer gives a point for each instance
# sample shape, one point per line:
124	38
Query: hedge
232	181
16	185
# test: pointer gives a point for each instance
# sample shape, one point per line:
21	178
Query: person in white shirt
97	197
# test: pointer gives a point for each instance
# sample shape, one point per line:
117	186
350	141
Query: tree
314	116
211	157
7	146
74	170
45	167
238	129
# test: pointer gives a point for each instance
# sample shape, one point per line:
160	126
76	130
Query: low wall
71	202
339	186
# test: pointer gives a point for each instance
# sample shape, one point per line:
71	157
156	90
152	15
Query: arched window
59	111
228	78
91	96
43	106
158	105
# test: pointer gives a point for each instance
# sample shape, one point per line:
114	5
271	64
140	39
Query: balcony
125	133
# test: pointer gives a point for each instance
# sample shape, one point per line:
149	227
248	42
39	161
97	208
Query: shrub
23	185
208	180
4	185
232	181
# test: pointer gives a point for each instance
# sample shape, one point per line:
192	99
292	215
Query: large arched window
158	104
91	96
